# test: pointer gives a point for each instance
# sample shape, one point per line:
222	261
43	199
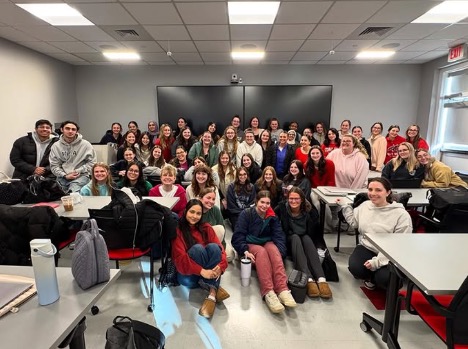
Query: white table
80	210
436	263
44	327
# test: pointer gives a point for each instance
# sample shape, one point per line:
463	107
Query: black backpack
133	334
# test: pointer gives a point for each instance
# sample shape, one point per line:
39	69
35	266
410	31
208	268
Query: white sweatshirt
370	219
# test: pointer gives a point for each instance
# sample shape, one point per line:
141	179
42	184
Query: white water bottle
42	257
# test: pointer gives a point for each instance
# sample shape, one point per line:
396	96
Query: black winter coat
23	157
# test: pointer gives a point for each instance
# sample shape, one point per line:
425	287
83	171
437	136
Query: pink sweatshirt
350	170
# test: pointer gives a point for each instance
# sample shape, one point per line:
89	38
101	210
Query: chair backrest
454	220
457	327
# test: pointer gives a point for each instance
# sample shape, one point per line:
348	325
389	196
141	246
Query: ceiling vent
379	31
127	33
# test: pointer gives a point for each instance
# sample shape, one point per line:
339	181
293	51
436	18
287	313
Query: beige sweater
378	151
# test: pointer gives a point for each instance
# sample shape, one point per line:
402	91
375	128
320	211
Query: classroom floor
244	321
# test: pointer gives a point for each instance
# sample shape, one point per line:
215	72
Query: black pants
305	256
360	255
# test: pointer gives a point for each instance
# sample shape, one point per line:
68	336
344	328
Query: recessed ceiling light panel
250	12
122	55
253	55
56	14
374	54
446	12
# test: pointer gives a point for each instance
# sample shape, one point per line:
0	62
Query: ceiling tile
213	46
85	33
392	44
218	63
250	31
15	35
452	32
161	63
274	62
333	31
352	11
105	45
416	31
427	45
302	12
92	57
46	33
319	45
340	56
203	13
429	56
402	11
178	46
74	47
42	47
186	57
79	1
284	45
355	45
248	45
66	57
303	62
216	57
13	15
143	46
189	63
331	62
403	56
209	32
279	56
291	31
105	14
309	56
167	32
155	57
161	13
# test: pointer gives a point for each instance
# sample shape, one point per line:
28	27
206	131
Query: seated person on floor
378	215
72	158
101	181
259	237
300	223
240	195
30	153
202	178
199	257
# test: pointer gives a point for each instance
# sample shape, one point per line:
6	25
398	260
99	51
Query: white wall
362	93
32	86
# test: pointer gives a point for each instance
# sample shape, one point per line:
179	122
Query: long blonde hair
357	144
94	183
411	163
226	141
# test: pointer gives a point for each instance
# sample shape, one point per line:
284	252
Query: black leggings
360	255
305	256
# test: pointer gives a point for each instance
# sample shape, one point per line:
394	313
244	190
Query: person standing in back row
30	153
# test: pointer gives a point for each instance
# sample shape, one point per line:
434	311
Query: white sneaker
287	299
273	303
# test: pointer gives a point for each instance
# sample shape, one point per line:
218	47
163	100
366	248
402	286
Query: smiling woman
168	188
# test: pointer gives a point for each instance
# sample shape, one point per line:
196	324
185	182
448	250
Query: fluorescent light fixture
250	12
446	12
247	55
374	54
122	55
56	14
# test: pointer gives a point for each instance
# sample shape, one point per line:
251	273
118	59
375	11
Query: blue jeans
74	185
208	257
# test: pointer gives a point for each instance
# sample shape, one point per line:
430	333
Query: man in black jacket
30	153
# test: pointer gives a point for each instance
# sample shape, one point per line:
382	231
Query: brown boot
325	291
221	295
207	309
312	289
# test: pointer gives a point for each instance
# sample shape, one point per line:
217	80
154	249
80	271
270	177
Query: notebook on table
406	183
334	191
14	290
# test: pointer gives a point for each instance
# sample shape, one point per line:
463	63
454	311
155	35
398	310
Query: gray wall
32	86
362	93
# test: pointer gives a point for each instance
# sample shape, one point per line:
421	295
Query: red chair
62	244
446	315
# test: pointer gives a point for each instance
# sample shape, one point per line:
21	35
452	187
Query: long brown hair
262	183
247	186
209	181
184	226
94	183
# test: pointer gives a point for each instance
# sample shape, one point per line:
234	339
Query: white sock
322	279
213	298
310	280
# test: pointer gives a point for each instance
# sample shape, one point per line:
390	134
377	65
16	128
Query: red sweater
327	150
166	152
180	193
392	147
328	178
186	265
301	156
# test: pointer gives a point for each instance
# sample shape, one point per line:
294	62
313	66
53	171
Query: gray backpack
90	260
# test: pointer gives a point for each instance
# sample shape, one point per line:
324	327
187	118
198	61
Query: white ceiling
198	32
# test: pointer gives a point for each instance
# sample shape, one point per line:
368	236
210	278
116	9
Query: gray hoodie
78	156
370	219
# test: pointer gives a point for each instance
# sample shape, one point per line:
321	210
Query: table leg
76	339
323	206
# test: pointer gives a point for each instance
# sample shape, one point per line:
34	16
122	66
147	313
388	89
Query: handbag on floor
329	267
133	334
297	283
